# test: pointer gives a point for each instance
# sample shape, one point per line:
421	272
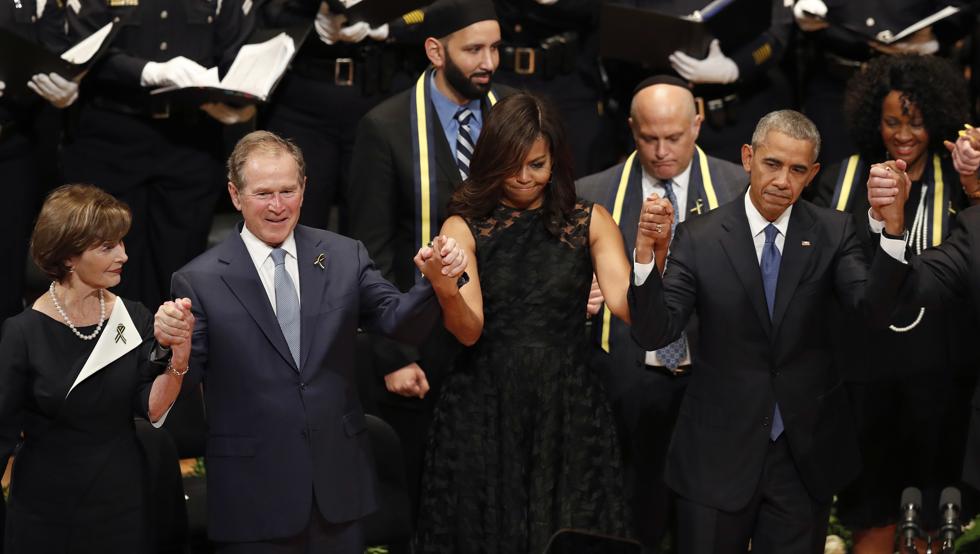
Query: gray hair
790	123
262	142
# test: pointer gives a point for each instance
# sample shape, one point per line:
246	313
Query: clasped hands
441	262
173	326
888	190
654	231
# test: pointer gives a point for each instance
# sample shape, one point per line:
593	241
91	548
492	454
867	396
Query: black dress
523	441
78	482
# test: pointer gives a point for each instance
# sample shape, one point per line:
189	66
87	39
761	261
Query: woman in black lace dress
523	442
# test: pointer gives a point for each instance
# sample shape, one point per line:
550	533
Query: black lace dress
522	441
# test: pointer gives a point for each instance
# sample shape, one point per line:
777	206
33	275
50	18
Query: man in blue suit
277	308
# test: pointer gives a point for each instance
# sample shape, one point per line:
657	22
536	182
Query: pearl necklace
57	306
918	239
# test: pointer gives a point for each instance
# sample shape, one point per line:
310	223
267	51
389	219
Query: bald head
665	125
663	100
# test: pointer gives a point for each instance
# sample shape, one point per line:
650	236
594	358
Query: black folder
21	59
648	37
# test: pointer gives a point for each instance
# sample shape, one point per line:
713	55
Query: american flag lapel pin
806	243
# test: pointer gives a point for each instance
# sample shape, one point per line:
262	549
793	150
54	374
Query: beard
463	84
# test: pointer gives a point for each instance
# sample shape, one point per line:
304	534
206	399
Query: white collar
118	338
680	181
757	223
260	251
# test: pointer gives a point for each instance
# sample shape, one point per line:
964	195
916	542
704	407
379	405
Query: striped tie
464	142
672	354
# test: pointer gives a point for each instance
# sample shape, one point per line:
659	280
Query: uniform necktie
287	304
464	142
672	354
770	274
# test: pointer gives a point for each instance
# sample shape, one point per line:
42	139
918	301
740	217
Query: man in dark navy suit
277	307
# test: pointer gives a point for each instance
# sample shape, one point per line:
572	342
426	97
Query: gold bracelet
177	372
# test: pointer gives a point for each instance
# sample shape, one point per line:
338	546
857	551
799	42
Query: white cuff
642	271
894	247
159	423
875	225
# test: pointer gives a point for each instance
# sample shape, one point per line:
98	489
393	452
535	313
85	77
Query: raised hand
453	258
965	152
408	381
173	323
653	234
431	262
888	190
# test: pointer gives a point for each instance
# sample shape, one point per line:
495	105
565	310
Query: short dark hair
73	219
267	143
508	134
933	84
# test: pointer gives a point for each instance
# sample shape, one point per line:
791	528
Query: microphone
949	506
909	525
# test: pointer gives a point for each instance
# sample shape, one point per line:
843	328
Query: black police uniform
21	161
731	111
834	54
323	96
161	159
553	50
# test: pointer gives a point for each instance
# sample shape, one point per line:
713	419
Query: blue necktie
770	275
464	142
287	304
672	354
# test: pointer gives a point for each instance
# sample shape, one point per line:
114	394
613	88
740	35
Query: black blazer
279	434
746	363
944	273
381	197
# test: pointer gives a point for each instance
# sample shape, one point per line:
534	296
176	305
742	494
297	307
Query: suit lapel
242	278
632	206
794	258
740	249
312	282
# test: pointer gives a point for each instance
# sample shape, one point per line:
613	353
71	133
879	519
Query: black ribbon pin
320	258
119	333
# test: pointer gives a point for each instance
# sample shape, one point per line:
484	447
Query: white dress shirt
261	254
680	187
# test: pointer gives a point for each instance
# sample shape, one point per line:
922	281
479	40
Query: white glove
328	25
355	33
716	68
815	7
179	71
227	114
54	88
2	86
808	22
379	33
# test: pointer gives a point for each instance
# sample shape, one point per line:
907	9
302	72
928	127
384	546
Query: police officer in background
736	88
161	158
341	71
551	47
839	39
22	160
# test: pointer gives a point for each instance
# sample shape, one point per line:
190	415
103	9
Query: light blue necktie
770	275
672	354
287	304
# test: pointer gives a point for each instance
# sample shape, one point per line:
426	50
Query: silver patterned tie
464	142
672	354
287	303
